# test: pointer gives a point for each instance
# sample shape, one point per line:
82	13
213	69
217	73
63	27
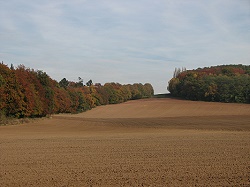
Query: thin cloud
124	41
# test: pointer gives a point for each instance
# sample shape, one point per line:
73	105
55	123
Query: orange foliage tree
25	92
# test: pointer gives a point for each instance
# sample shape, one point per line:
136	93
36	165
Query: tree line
26	92
225	83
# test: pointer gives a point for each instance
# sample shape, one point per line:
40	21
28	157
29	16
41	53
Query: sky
132	41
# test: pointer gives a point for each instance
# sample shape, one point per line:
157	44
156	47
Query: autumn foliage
226	83
25	92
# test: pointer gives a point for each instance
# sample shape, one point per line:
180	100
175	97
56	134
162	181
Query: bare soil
150	142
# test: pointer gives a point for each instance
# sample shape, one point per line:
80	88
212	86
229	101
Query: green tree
64	83
89	83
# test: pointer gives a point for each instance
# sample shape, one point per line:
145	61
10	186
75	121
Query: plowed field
150	142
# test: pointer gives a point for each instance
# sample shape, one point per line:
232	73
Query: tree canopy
25	92
225	83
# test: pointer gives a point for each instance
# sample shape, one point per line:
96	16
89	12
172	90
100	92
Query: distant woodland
25	92
225	83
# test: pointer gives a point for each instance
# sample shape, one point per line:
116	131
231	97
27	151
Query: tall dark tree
89	83
64	83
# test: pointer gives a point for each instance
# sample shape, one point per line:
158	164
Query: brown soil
151	142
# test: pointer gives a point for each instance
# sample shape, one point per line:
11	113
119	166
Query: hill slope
165	107
151	142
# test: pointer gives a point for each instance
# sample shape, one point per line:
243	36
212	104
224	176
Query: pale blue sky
124	41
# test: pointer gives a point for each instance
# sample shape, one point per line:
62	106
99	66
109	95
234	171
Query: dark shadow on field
230	123
167	95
